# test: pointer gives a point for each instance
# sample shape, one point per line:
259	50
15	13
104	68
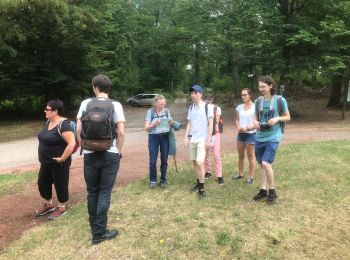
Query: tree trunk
235	74
345	97
335	91
299	78
284	10
196	64
130	72
284	7
314	79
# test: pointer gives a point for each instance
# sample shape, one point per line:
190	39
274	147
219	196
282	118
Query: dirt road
316	124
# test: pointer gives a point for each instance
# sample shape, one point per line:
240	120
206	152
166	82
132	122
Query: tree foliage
52	48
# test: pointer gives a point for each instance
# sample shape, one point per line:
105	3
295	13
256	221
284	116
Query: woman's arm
69	138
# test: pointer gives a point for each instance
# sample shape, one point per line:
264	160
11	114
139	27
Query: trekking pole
175	164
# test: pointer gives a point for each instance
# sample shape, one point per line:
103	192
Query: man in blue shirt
269	134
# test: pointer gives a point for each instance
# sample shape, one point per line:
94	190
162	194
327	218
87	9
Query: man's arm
79	130
121	135
285	117
188	129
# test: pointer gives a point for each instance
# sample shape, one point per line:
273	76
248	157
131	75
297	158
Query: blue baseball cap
196	88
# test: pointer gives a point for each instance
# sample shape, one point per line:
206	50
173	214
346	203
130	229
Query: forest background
52	48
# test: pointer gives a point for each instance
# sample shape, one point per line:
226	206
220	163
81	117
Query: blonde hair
157	98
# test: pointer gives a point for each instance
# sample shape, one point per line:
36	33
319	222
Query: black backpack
97	127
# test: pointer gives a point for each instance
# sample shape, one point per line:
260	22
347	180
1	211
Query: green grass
13	183
310	219
11	131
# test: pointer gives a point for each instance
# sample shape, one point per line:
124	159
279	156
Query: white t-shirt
199	121
218	110
246	117
117	117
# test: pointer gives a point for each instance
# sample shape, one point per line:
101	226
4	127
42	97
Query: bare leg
200	172
262	177
241	155
251	159
269	174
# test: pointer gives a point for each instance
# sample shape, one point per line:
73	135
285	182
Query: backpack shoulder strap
206	109
153	112
166	111
257	107
280	105
59	127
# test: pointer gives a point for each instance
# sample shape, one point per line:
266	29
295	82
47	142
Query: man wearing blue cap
198	135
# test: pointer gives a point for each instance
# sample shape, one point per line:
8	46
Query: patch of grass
310	219
12	183
11	131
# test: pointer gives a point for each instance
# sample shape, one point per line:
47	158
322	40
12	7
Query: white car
142	100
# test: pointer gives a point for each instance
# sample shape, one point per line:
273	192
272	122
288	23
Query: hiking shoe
195	188
201	194
207	175
163	185
262	194
250	180
272	196
238	177
110	234
46	208
58	212
152	185
221	181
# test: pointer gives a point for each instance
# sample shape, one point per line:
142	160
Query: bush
22	107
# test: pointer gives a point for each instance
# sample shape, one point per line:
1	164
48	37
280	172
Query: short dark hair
103	83
269	81
56	104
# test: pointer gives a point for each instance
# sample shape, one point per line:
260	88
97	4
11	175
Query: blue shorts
265	151
247	138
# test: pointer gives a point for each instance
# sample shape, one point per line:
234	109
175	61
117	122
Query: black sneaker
221	181
262	194
201	194
207	175
195	188
272	196
110	234
238	177
163	185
